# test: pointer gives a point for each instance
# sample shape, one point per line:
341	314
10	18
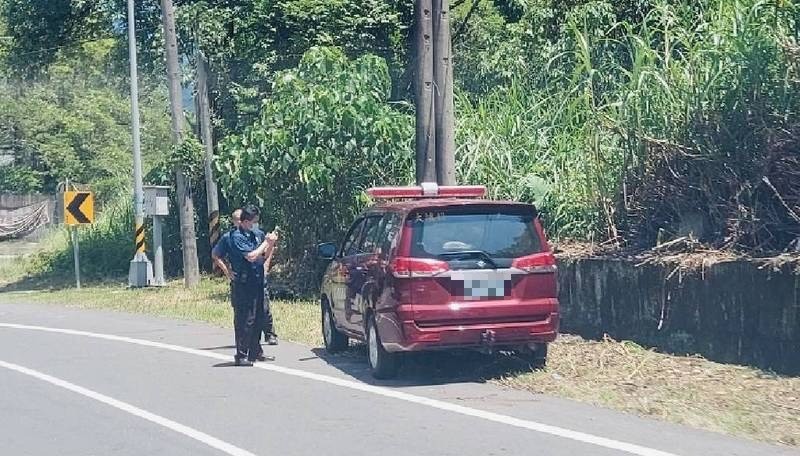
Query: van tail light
540	263
409	268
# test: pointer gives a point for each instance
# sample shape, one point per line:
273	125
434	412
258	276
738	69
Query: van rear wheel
384	365
335	340
535	356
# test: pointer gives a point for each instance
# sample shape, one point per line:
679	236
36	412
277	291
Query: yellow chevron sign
78	208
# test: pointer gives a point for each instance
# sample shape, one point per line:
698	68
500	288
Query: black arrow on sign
74	208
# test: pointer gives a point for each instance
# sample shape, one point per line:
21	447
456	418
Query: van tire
383	364
537	357
335	340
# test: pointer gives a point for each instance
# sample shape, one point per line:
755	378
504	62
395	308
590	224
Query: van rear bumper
416	337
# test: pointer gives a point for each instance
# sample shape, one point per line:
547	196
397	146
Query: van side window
350	245
390	232
372	234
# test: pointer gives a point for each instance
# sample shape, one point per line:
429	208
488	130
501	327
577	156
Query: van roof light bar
428	190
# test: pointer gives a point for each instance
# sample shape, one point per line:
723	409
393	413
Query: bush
325	134
19	180
623	126
106	247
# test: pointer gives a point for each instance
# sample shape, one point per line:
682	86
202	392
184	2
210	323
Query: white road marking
380	391
201	437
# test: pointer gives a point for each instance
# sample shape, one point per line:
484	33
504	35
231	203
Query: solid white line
380	391
201	437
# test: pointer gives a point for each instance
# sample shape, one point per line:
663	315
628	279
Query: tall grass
630	126
105	247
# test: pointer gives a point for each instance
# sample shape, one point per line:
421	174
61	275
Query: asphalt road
80	382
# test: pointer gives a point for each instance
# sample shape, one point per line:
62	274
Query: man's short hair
237	215
249	213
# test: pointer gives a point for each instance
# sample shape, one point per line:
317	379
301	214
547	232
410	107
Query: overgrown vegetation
326	132
630	122
106	248
74	123
663	118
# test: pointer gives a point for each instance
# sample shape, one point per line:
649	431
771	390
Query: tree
39	28
75	123
325	134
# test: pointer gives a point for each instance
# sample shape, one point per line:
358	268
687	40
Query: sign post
156	205
78	210
76	252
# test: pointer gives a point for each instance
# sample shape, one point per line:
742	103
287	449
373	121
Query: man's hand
263	249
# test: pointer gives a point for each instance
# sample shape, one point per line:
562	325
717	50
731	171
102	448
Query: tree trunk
426	123
207	137
191	267
443	94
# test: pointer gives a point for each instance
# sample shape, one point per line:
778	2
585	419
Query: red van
441	269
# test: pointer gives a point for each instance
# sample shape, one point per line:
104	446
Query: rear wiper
471	253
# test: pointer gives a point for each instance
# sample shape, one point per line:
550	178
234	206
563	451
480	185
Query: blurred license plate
483	283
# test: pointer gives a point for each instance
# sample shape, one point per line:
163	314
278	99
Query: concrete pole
443	94
207	137
425	106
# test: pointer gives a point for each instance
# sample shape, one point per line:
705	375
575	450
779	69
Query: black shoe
272	340
242	362
262	358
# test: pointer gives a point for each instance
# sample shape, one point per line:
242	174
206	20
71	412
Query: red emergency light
428	190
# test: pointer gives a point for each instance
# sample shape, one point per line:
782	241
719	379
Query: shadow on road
226	364
224	347
431	368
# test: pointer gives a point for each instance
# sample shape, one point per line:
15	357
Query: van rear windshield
498	232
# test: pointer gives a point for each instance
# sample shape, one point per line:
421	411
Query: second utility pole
207	137
443	94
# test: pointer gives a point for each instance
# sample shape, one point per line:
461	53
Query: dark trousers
269	326
248	318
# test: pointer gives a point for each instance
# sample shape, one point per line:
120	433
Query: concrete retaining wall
733	312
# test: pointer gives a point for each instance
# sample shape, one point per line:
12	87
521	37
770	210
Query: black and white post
140	271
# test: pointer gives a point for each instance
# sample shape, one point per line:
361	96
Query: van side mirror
326	251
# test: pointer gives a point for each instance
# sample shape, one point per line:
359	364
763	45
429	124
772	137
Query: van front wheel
384	365
335	340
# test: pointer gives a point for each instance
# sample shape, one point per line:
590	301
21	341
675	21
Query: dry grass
209	303
734	400
687	390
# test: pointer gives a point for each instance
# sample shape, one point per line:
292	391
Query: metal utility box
140	273
156	200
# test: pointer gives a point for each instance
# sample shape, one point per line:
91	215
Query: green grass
209	303
734	400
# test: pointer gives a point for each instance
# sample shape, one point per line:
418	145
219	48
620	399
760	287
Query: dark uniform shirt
223	248
240	244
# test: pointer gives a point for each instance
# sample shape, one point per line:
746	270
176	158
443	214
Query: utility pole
207	137
426	122
443	94
140	268
191	267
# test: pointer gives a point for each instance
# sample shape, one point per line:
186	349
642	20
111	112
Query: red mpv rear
434	274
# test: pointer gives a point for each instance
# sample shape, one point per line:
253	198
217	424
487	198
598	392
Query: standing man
248	248
220	254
